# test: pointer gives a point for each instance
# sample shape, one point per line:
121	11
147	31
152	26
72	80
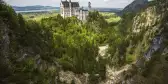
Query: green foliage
121	44
97	23
129	54
77	46
97	20
39	15
110	17
38	50
73	82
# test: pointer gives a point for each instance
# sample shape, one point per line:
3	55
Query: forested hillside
144	45
35	52
50	50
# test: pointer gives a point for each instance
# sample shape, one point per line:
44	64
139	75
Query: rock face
147	19
69	76
151	25
4	50
135	6
156	44
5	40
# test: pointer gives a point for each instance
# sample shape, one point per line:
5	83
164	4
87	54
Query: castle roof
82	9
73	4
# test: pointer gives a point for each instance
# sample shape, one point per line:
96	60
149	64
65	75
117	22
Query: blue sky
95	3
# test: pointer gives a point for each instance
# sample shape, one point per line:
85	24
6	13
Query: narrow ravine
112	75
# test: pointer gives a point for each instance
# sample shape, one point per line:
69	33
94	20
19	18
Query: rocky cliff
150	27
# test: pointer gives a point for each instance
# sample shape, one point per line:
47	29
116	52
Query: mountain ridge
35	7
40	7
135	6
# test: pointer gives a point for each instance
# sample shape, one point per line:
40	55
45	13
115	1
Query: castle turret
89	5
70	8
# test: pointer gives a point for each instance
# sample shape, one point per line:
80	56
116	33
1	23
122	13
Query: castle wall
74	11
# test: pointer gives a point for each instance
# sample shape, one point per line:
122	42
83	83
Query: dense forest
34	52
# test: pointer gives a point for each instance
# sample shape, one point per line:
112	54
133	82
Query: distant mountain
39	7
135	6
36	7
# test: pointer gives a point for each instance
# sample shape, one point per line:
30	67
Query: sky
55	3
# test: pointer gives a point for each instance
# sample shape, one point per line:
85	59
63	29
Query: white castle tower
69	9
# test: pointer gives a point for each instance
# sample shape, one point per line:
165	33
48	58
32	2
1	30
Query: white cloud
106	0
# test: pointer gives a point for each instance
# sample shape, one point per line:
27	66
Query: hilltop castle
69	9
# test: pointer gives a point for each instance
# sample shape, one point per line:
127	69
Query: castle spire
89	5
70	8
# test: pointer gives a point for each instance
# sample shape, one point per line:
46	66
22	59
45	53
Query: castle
69	9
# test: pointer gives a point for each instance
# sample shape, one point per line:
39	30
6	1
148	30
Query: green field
109	17
39	15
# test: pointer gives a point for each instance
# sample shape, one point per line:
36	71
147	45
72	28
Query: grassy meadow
39	15
109	17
